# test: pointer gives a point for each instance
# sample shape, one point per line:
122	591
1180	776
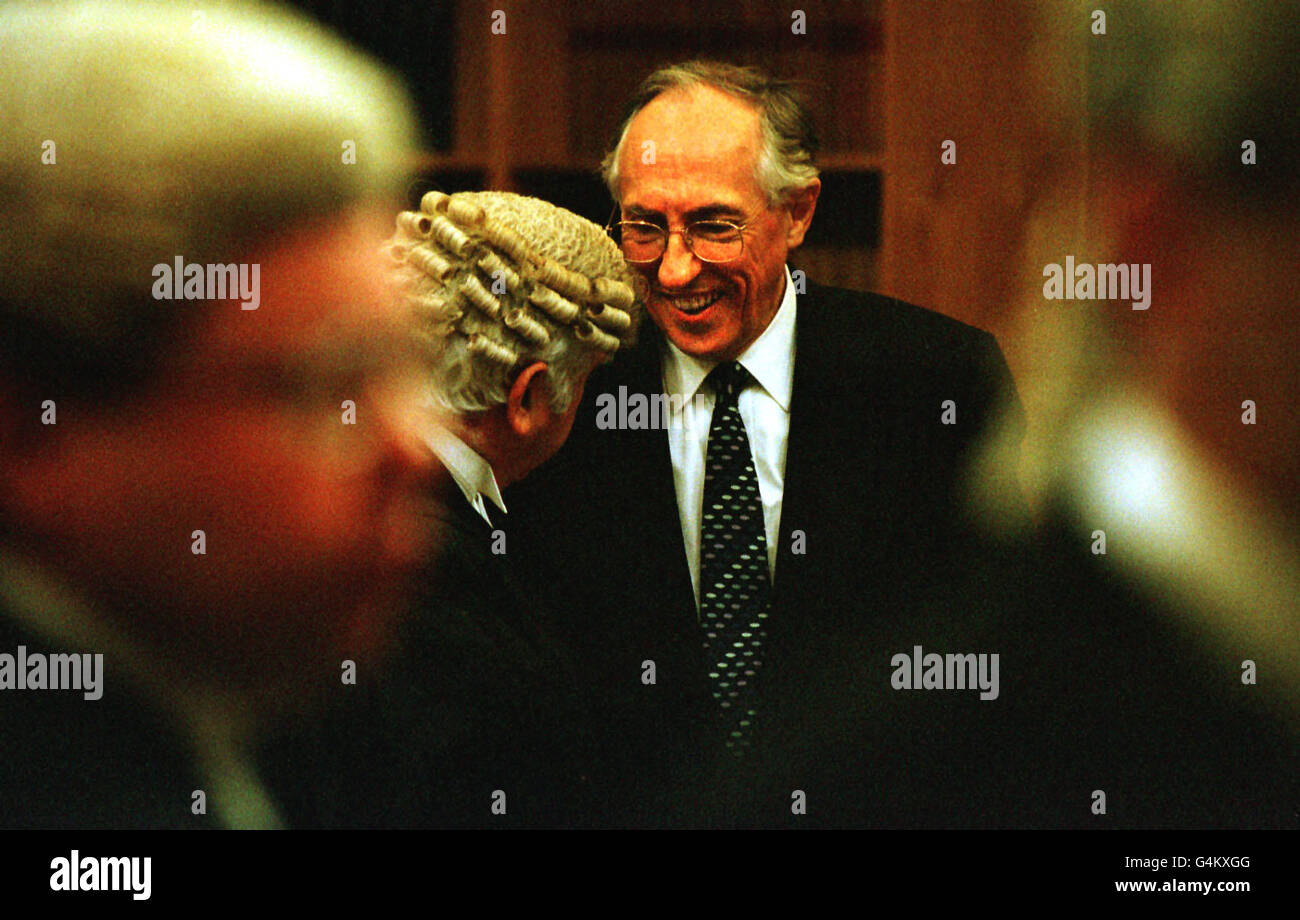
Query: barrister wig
498	281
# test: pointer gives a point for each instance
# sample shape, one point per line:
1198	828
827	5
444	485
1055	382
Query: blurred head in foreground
516	302
203	408
1169	428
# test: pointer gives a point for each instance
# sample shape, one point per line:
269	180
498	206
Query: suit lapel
809	462
653	498
831	458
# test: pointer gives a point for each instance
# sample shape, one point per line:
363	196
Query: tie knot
728	380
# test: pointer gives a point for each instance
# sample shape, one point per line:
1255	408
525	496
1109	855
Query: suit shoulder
864	317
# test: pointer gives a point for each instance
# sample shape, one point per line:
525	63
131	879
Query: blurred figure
477	722
1163	450
212	481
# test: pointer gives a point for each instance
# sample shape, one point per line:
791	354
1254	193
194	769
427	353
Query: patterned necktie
735	590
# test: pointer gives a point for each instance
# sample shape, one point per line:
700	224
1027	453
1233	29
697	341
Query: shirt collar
769	358
471	472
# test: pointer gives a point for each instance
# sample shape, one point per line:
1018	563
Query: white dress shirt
765	410
470	471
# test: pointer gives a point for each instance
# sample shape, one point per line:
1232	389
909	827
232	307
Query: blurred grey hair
135	132
789	139
498	281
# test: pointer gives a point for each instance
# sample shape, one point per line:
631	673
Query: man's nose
678	266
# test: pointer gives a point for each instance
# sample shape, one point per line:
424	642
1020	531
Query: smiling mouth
692	304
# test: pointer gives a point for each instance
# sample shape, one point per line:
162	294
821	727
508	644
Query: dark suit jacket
69	762
473	699
870	484
1100	688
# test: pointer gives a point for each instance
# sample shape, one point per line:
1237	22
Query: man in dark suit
743	571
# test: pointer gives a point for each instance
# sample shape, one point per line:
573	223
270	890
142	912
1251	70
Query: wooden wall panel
889	81
952	233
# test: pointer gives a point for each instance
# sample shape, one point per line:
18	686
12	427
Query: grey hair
135	132
499	281
789	138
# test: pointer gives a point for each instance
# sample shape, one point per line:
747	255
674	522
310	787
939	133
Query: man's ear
528	405
802	204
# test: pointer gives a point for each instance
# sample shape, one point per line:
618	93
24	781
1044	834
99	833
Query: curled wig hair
498	281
